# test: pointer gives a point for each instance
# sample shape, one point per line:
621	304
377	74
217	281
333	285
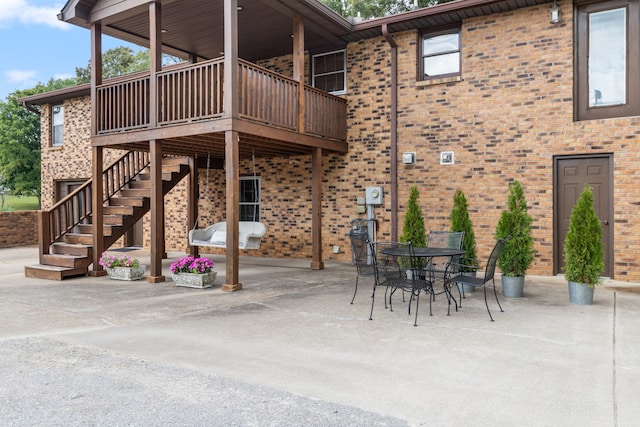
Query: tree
20	140
413	228
122	60
367	9
583	249
516	222
460	221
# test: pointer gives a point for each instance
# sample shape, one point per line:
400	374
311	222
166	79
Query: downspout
394	133
29	107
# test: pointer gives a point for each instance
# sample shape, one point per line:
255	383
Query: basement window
249	198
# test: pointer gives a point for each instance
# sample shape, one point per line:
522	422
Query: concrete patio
290	350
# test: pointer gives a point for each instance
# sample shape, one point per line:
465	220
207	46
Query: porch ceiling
196	27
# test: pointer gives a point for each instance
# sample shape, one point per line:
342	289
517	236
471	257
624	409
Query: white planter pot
513	287
580	294
125	273
190	280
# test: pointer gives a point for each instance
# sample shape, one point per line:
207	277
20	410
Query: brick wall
506	117
19	228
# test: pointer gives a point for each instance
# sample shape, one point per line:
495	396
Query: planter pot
190	280
125	273
466	288
513	287
580	294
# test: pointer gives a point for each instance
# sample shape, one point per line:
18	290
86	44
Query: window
57	125
330	72
249	198
608	52
440	53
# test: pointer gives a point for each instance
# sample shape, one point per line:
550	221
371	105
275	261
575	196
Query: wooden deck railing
76	208
195	92
123	106
190	93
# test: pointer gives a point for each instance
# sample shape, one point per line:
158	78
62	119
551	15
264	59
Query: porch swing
215	235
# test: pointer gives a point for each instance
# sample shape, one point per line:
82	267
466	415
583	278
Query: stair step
88	229
135	192
86	239
127	201
69	261
52	272
119	210
112	220
72	249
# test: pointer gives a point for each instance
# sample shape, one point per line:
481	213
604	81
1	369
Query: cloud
22	78
28	13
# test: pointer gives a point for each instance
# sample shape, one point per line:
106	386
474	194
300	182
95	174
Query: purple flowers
111	261
190	264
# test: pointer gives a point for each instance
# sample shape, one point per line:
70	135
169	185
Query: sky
35	46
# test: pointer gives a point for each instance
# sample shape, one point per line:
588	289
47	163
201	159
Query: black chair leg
373	300
496	294
356	290
485	302
415	320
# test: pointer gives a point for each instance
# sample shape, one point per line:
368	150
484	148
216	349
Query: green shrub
583	249
516	222
460	221
413	228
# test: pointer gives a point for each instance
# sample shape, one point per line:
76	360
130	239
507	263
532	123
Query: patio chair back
361	257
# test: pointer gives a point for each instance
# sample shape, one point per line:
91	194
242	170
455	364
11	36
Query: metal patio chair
361	257
477	282
392	261
440	265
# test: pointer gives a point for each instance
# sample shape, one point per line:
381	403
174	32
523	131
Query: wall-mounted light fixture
555	13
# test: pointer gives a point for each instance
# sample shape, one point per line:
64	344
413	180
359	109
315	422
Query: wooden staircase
66	231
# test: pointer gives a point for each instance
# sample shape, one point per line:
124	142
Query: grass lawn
20	203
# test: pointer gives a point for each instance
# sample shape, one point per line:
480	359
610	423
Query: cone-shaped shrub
460	221
516	222
583	249
413	228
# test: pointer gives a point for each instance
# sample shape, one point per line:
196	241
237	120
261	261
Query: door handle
605	222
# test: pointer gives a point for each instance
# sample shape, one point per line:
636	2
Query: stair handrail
76	207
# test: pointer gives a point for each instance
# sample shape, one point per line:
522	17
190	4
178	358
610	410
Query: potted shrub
517	254
121	267
583	250
460	221
193	272
413	227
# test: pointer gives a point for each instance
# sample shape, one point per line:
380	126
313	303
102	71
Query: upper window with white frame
57	125
329	72
440	53
607	59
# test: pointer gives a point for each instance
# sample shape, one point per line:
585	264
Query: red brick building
476	93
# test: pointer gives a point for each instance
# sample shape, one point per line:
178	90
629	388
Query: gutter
393	167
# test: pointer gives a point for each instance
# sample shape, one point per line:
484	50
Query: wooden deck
193	94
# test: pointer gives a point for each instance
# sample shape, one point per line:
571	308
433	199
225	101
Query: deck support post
97	212
232	143
316	209
192	203
157	213
298	67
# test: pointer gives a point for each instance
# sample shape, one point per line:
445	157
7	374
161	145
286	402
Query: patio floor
289	349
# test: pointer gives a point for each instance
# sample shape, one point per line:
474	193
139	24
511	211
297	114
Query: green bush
583	249
517	255
413	228
460	221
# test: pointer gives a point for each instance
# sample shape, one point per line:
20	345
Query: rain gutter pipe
393	167
29	107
